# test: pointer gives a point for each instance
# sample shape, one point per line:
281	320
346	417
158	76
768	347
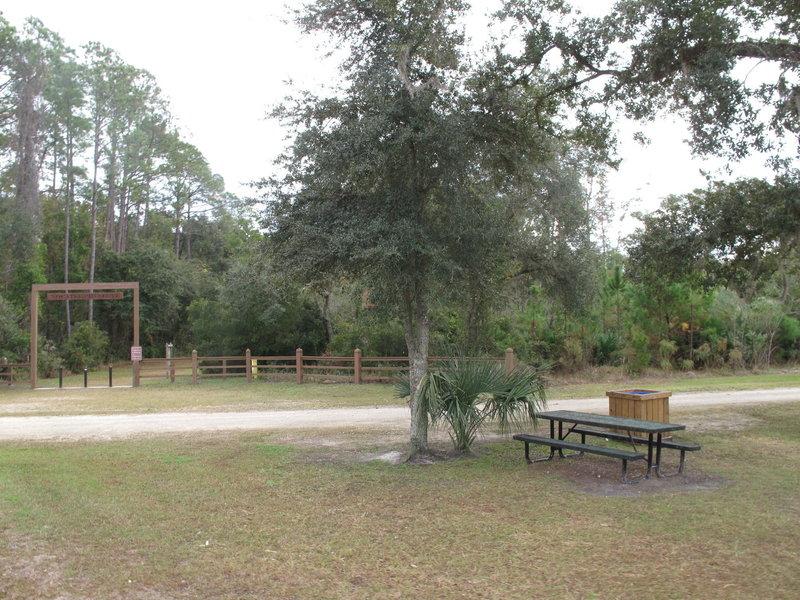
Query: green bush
87	348
375	337
13	338
789	339
637	353
606	349
666	350
48	359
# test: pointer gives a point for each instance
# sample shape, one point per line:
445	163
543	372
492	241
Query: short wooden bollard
298	364
357	365
510	360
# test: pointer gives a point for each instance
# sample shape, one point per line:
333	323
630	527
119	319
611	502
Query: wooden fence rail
10	370
351	369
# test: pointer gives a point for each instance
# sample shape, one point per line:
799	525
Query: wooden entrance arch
73	287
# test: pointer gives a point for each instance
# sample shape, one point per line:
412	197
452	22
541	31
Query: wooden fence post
194	367
298	361
248	366
357	365
510	362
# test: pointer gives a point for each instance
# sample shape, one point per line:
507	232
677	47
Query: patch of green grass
262	515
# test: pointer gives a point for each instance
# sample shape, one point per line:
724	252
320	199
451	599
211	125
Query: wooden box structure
650	405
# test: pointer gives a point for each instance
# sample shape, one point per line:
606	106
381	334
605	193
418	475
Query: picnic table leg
650	453
561	437
658	455
530	460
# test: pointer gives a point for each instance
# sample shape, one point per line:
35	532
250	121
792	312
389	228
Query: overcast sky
223	64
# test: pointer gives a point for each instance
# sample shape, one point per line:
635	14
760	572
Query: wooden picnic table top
610	422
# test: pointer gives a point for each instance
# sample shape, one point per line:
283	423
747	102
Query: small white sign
136	353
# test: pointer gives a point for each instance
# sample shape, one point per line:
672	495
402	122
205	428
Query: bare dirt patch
594	475
600	476
27	567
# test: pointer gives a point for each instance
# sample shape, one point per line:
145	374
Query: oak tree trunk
417	334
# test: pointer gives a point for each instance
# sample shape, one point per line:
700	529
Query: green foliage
636	353
737	235
606	349
762	321
13	338
789	338
24	276
49	359
258	309
86	348
467	395
666	350
374	336
166	288
648	57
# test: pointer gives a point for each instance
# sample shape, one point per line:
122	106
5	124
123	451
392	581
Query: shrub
736	358
789	338
666	350
637	353
48	360
606	349
704	353
573	355
87	347
13	338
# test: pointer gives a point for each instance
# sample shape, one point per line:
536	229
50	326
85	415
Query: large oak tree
409	178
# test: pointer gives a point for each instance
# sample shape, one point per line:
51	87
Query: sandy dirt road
106	427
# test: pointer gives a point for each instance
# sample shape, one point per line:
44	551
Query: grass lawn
279	516
235	394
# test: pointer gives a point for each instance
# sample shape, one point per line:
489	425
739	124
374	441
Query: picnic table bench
609	428
624	455
683	447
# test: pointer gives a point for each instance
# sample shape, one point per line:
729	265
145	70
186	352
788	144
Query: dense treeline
97	184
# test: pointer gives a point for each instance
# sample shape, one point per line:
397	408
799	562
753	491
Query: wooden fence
350	369
7	371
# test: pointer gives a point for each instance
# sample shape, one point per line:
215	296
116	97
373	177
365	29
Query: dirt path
122	426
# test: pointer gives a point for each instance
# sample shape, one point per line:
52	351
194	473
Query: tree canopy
736	234
698	58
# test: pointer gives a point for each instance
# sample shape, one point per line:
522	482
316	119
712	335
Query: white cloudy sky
222	64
